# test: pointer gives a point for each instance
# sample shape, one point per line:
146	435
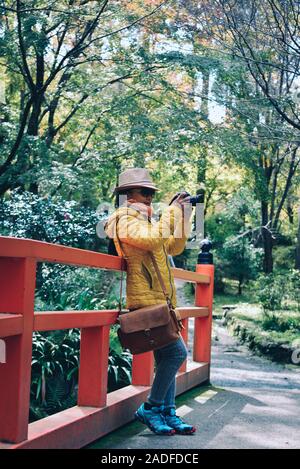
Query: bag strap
122	272
158	273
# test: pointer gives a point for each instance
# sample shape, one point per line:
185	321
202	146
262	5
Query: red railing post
93	368
17	286
142	369
204	297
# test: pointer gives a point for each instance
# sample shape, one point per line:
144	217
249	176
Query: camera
196	199
193	200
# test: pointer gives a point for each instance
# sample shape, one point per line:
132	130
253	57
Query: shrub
241	261
277	290
55	370
66	287
51	219
219	275
294	286
269	291
280	323
55	358
284	257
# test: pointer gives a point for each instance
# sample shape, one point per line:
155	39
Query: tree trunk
202	152
297	260
289	209
267	240
202	155
33	123
240	285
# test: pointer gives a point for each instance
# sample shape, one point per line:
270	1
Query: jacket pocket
147	275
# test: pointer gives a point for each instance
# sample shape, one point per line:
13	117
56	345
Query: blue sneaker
175	422
154	420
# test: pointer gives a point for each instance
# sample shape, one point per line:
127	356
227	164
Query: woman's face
142	195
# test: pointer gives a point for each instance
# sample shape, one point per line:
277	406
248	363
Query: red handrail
97	412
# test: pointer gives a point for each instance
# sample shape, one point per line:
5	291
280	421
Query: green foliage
26	215
55	362
65	287
284	257
55	220
293	286
240	213
219	284
119	370
119	362
270	291
55	358
273	343
241	260
278	290
235	256
273	322
219	227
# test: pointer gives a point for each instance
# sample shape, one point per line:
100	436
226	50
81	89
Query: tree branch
76	50
292	169
18	140
27	73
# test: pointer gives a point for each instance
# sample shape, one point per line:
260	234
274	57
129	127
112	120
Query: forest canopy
205	95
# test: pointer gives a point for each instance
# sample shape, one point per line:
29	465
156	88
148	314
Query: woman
134	235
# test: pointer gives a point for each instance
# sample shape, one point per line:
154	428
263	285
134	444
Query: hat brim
135	186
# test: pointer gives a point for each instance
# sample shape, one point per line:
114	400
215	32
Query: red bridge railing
97	412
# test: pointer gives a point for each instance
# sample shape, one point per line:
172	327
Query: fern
55	370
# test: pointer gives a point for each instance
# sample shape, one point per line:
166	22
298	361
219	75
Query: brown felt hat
134	177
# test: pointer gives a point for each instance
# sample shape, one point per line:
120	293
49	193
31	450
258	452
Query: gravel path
262	408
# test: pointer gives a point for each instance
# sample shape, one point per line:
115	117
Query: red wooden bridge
97	412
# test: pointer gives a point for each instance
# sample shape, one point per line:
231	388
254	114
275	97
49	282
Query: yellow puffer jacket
138	236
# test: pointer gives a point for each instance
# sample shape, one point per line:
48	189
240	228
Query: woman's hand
181	200
177	195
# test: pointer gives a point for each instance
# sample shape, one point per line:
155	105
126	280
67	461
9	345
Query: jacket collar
145	210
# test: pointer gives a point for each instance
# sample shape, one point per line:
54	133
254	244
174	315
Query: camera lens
197	199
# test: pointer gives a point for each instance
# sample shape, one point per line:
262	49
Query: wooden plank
190	276
76	427
51	320
10	324
47	252
193	311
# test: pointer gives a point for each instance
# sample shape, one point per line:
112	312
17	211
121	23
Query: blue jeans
168	360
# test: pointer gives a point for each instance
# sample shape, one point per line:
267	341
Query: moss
276	336
276	345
